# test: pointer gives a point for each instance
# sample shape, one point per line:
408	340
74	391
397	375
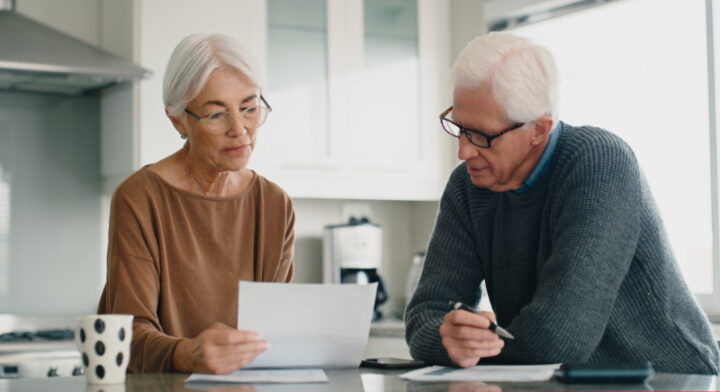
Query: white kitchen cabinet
340	127
356	87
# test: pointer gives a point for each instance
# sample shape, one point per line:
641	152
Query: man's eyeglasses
474	136
252	117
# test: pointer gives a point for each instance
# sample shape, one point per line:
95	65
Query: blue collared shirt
544	161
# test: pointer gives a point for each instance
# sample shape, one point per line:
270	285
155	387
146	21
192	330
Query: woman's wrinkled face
227	90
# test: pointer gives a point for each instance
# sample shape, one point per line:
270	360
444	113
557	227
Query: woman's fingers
223	349
240	352
230	358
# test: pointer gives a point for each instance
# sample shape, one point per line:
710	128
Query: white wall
77	18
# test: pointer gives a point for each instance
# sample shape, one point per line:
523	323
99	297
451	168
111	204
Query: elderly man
559	223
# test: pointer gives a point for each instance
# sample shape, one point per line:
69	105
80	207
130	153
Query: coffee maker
352	253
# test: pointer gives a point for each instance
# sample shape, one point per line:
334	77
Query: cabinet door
351	83
387	133
296	132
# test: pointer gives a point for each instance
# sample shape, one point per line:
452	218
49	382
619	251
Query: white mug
104	344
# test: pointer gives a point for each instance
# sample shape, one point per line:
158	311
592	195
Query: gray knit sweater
578	269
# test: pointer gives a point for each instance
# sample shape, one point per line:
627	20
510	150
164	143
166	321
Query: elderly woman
185	230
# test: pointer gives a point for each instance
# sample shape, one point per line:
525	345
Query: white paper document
263	376
307	325
483	373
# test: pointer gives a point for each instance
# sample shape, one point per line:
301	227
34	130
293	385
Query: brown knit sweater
175	258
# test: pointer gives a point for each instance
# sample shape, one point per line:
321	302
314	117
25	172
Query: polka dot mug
104	344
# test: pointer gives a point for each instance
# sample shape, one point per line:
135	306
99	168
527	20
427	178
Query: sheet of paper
263	376
483	373
307	325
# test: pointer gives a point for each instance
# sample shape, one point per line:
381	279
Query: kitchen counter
388	327
346	380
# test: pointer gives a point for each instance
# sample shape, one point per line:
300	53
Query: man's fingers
464	355
463	317
474	344
488	315
460	331
472	333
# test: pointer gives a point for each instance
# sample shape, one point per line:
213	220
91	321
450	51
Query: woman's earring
183	136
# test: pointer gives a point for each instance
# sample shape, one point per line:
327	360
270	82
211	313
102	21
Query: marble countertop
350	380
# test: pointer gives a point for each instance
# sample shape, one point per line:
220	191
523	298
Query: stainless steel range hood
34	57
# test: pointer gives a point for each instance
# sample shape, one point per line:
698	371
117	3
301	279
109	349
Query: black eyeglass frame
195	116
469	132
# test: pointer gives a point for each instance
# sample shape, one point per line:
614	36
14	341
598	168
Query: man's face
505	165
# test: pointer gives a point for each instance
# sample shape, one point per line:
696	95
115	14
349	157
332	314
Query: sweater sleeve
451	272
594	237
133	287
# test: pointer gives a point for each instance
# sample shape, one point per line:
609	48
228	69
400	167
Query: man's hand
466	337
219	349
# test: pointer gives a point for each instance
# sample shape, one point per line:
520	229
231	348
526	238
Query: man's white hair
522	75
192	62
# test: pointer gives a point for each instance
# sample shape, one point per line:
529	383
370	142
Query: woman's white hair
192	62
522	75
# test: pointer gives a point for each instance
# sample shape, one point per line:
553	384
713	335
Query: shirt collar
544	161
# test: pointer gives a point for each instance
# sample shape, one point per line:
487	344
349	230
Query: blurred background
356	88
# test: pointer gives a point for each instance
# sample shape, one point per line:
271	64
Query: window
639	68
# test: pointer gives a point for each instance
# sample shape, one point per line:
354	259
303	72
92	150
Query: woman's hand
219	349
467	338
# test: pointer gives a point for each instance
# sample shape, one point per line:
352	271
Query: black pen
493	327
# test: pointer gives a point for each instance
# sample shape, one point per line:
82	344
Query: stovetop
20	334
38	346
40	335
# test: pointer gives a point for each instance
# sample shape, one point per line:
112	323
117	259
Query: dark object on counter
627	373
367	276
45	334
392	363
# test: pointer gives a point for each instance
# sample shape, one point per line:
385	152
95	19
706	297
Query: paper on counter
263	376
307	325
486	373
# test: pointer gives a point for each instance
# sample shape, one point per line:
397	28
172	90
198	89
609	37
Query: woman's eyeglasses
252	117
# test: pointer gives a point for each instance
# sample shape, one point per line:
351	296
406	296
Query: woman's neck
200	177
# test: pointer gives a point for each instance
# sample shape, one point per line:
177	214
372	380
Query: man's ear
541	129
179	126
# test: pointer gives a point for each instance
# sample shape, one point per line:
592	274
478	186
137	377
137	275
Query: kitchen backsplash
50	209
